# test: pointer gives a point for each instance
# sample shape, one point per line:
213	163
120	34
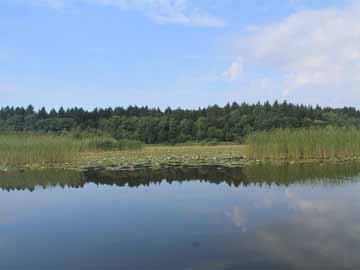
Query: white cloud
160	11
315	50
235	69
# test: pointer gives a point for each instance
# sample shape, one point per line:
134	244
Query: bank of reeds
23	149
305	144
20	149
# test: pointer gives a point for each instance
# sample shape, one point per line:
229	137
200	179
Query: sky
179	53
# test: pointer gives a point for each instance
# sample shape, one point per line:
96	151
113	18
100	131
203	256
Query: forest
229	123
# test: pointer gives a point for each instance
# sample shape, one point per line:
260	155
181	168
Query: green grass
304	144
18	150
29	149
23	149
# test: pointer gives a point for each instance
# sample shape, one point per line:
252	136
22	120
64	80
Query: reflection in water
321	230
238	217
287	217
332	174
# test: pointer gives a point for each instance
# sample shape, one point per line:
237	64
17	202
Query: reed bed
25	149
304	144
43	149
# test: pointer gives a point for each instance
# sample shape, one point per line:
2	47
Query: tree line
231	122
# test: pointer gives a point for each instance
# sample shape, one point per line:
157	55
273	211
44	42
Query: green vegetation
231	123
21	149
278	131
305	144
156	157
97	143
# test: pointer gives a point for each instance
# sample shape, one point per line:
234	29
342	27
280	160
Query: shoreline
166	157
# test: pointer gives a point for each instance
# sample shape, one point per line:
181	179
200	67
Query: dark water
297	217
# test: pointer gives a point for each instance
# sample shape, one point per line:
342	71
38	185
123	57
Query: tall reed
304	144
23	149
19	149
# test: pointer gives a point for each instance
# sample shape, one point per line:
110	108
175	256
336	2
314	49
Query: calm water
304	217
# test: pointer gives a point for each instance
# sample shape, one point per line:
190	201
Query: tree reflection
262	175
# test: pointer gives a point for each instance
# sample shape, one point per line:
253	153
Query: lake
261	217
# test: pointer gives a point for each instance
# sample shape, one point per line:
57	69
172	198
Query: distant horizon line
173	108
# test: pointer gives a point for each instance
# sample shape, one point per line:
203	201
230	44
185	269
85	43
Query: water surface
297	217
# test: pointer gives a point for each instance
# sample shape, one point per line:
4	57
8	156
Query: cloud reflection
238	217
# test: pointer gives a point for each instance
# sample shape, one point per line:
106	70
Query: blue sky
96	53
